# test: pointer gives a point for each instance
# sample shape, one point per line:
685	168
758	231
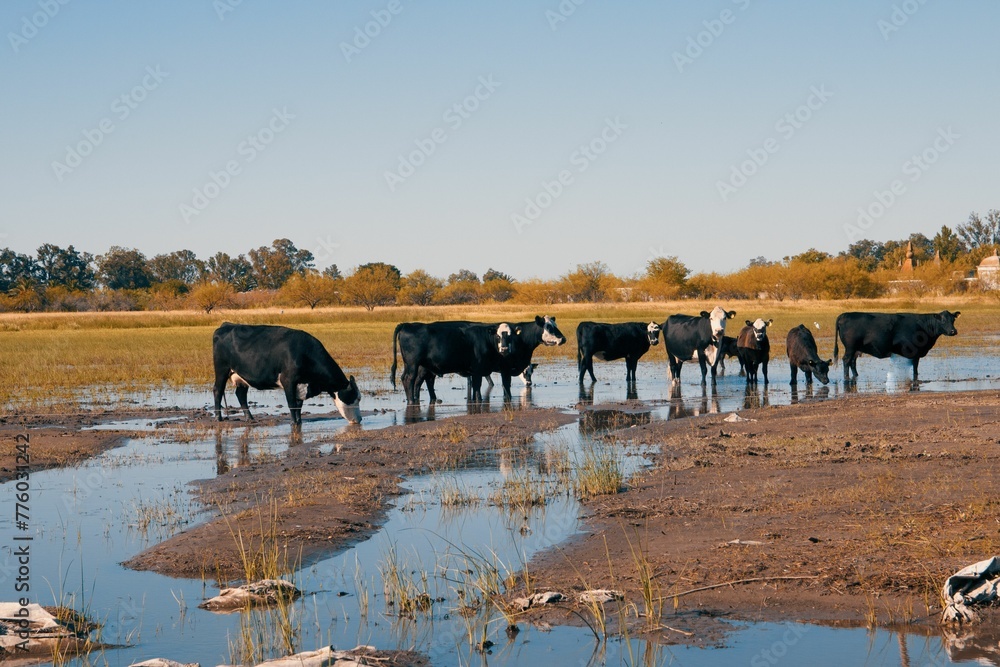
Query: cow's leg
673	368
294	404
477	387
764	370
581	364
428	379
241	395
809	376
218	391
916	362
703	362
505	380
795	373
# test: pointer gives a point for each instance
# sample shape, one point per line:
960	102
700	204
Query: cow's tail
836	339
392	369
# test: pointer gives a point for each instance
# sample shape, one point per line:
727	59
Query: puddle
90	518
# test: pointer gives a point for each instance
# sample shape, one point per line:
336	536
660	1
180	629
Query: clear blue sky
200	79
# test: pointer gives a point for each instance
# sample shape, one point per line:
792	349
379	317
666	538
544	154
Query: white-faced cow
688	336
607	342
802	355
754	348
909	335
271	357
440	348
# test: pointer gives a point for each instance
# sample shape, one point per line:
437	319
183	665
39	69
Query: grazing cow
687	336
910	335
608	342
439	348
270	357
802	355
754	348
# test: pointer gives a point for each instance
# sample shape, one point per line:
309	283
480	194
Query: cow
439	348
687	336
607	342
802	355
525	376
728	350
754	348
909	335
272	357
527	336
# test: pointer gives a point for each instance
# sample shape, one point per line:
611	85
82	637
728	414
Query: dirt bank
306	504
869	501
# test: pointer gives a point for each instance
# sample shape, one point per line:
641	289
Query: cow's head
653	333
821	369
550	332
504	335
349	402
759	328
717	318
946	322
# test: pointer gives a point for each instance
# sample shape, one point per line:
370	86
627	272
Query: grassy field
50	358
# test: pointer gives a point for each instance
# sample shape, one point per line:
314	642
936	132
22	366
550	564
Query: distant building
988	272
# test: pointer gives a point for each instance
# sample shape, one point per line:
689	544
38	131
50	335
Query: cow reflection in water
810	394
586	396
753	397
414	414
708	404
222	465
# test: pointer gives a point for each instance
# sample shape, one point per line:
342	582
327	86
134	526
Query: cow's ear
534	365
704	313
829	362
517	331
957	313
749	323
770	322
731	314
539	320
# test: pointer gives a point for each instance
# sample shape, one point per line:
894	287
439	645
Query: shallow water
86	520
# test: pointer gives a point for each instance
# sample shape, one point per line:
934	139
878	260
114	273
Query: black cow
270	357
527	336
439	348
802	355
607	342
754	348
687	336
910	335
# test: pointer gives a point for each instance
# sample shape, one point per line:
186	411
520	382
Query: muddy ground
841	510
871	501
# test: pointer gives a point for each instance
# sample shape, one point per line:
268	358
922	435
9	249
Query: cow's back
683	335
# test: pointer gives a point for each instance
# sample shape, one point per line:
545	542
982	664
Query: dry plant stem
731	583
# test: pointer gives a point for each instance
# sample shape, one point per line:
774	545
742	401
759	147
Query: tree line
66	279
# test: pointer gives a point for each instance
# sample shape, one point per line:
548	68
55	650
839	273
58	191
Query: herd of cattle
274	357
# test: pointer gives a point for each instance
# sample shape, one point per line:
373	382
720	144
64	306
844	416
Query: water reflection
680	408
822	393
754	397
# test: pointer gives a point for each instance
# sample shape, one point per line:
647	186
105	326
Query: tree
948	244
180	265
65	267
236	271
419	288
590	282
463	276
868	253
977	233
667	270
208	296
124	268
332	272
759	260
312	289
371	285
17	269
811	256
394	274
273	266
498	286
